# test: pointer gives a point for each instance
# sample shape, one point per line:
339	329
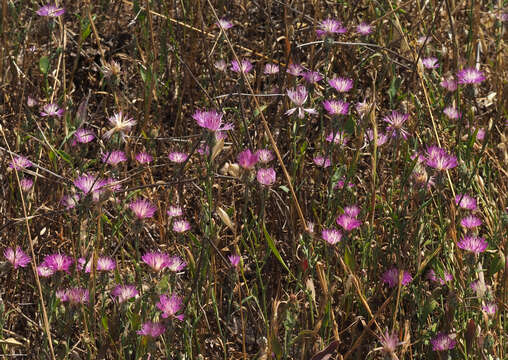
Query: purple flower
271	69
264	156
312	77
224	24
177	157
451	112
152	329
20	162
470	76
396	121
439	158
76	296
266	176
58	262
144	158
347	222
341	84
295	69
170	305
44	270
465	201
341	182
105	263
338	137
84	136
299	96
382	138
211	120
322	161
31	102
364	29
336	107
234	259
352	211
125	292
50	10
88	183
114	157
62	295
449	84
121	124
52	110
16	257
330	27
176	264
331	236
431	275
26	184
220	65
174	211
470	222
391	277
181	226
247	159
430	63
156	260
442	342
389	343
473	243
244	66
490	308
142	208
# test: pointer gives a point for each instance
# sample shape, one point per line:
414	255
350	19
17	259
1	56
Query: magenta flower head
125	292
16	257
50	10
337	137
177	157
156	260
299	96
439	159
271	69
142	208
44	270
312	77
336	107
347	222
490	308
331	236
58	262
330	27
442	342
170	305
389	342
322	161
465	201
247	159
352	210
431	275
88	183
244	66
181	226
266	176
31	101
220	65
264	156
175	264
430	63
224	24
77	296
152	329
105	263
382	138
470	76
396	120
470	222
144	158
451	112
114	157
295	69
234	259
26	184
391	277
52	110
174	211
20	162
473	243
121	124
84	136
341	84
211	120
449	84
364	29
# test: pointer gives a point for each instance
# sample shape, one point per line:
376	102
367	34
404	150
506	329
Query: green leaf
272	247
105	325
44	65
496	264
348	258
284	188
259	110
394	87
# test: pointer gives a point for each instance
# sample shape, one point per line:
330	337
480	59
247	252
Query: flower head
58	262
105	263
20	162
266	176
77	296
271	69
490	308
449	84
31	101
299	97
125	292
430	63
88	183
352	210
152	329
221	65
174	211
442	342
50	10
114	157
295	69
470	76
170	305
451	112
264	156
156	260
470	222
224	24
177	157
121	124
439	159
382	138
391	277
431	275
234	259
396	121
347	222
44	270
331	236
341	84
181	226
465	201
247	159
16	257
322	161
175	264
84	136
26	184
330	27
336	107
244	66
364	29
211	120
52	110
389	342
312	77
142	208
473	243
337	137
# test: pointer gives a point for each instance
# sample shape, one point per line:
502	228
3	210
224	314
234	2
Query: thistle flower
336	107
389	342
221	65
382	138
50	10
211	120
144	158
330	27
121	124
26	184
295	69
264	156
152	329
44	270
341	182
299	97
266	176
224	24
16	257
170	305
52	110
322	161
490	308
341	84
61	294
465	201
88	183
175	264
430	63
451	112
347	222
177	157
181	226
364	29
338	137
473	243
396	121
174	211
244	66
105	263
234	259
19	162
271	69
431	275
143	209
247	159
439	159
449	84
58	262
156	260
391	277
312	77
77	295
470	76
331	236
470	222
442	342
114	157
125	292
84	136
352	211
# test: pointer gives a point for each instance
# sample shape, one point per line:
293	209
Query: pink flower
144	158
20	162
295	69
322	161
17	257
341	84
430	63
312	77
211	120
266	176
176	264
247	159
336	107
44	270
234	259
391	277
451	112
396	121
382	138
156	260
52	110
271	69
347	222
331	236
152	329
470	76
50	10
473	243
125	292
174	211
364	29
470	222
88	183
244	66
352	210
389	343
446	277
442	342
220	65
224	24
465	201
264	156
114	157
299	96
142	208
330	27
490	308
177	157
121	124
105	263
337	137
449	84
84	136
26	184
170	305
439	159
58	262
31	102
77	296
181	226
